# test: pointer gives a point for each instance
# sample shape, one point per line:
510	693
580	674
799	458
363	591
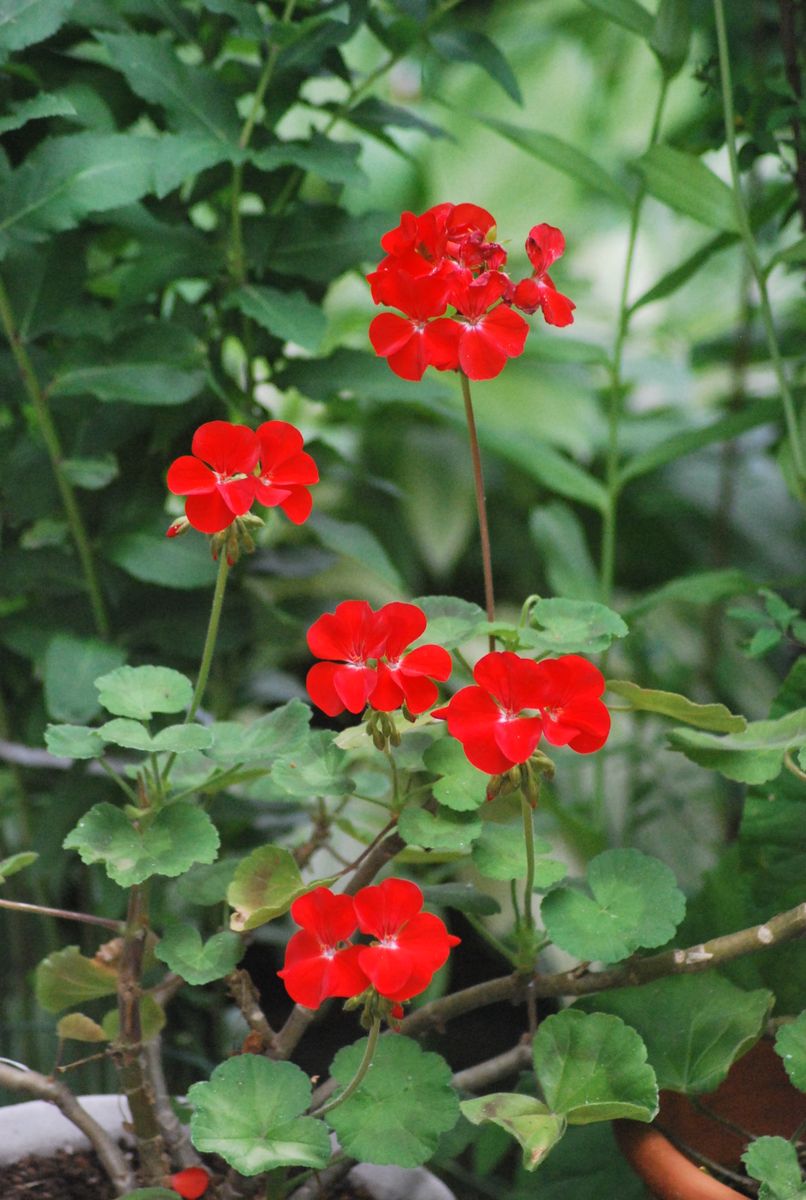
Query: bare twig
41	1088
176	1135
243	991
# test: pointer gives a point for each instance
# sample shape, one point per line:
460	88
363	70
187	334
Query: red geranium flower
492	332
190	1183
217	478
496	721
318	963
569	697
408	677
411	944
286	471
414	342
350	638
544	246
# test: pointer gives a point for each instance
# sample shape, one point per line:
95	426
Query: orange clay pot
756	1096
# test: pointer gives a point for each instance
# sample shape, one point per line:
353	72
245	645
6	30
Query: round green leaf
694	1026
500	853
263	887
530	1122
451	621
443	830
249	1113
142	691
462	787
277	733
182	950
635	902
74	741
66	977
80	1028
183	562
72	664
774	1162
593	1067
790	1043
179	836
402	1106
572	627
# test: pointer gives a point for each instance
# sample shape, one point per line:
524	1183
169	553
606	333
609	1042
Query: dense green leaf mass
634	902
593	1067
249	1113
402	1106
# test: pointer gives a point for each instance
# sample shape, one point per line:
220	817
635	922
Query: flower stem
53	445
212	634
363	1067
751	251
481	503
65	914
529	841
612	482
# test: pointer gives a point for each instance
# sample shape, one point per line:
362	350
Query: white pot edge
37	1127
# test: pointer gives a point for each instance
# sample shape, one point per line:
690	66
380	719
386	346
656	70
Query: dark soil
79	1176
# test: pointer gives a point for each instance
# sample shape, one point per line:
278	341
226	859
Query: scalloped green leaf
635	902
714	718
461	896
756	755
442	830
66	977
277	733
71	666
182	950
264	886
451	620
462	786
572	627
694	1026
535	1128
790	1043
593	1067
402	1106
500	853
179	739
774	1162
249	1113
178	836
74	741
142	691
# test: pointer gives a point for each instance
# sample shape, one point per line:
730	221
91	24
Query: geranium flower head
569	697
318	961
286	470
406	676
191	1183
544	245
217	477
349	638
411	945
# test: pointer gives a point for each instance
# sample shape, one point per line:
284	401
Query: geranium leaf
142	691
442	830
152	1020
500	853
790	1043
635	902
277	733
123	731
593	1067
774	1162
72	664
315	768
402	1106
74	741
530	1122
180	563
451	621
461	896
756	755
694	1026
572	627
715	718
178	836
80	1028
66	977
16	862
182	950
249	1113
263	887
182	739
462	787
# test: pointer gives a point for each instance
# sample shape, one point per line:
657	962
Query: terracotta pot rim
665	1170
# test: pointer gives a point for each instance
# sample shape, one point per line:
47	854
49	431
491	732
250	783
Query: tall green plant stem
50	437
481	503
363	1067
529	883
212	635
236	231
751	251
612	482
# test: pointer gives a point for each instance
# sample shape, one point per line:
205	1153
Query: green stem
212	634
363	1067
121	783
513	892
751	250
481	503
612	482
50	437
529	842
486	935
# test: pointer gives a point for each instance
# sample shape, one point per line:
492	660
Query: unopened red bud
177	527
494	786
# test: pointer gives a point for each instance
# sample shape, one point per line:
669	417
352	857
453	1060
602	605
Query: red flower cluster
516	701
410	944
368	661
232	466
442	258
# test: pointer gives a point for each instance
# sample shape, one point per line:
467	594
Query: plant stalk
481	503
363	1067
210	639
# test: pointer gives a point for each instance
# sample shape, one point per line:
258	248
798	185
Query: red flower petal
517	683
383	908
419	693
279	440
351	632
354	684
387	695
331	917
238	494
229	449
544	245
427	660
556	308
321	688
472	716
188	476
387	968
441	338
269	495
487	344
191	1183
298	505
208	513
518	738
311	975
404	624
